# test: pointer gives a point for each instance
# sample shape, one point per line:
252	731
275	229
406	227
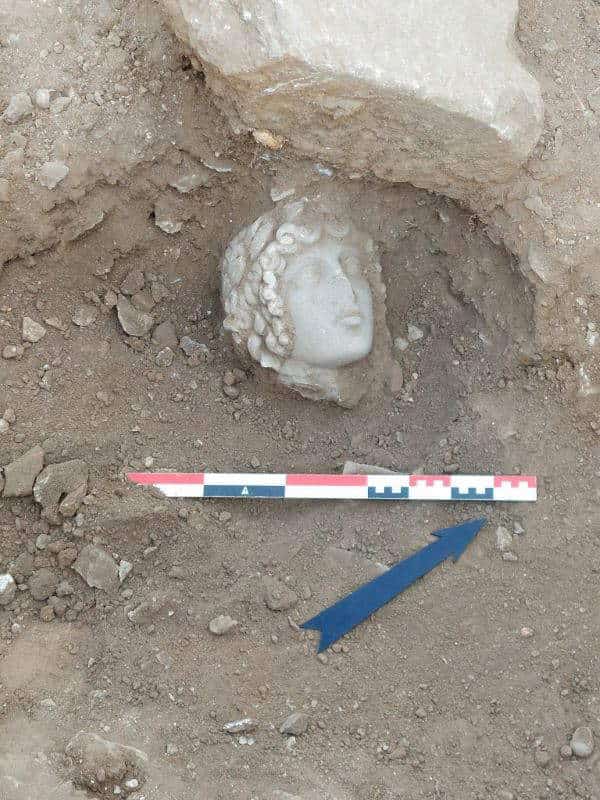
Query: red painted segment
326	480
429	480
515	481
152	478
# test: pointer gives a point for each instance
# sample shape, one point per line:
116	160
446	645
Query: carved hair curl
252	266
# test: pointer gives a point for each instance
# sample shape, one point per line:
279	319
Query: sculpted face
330	303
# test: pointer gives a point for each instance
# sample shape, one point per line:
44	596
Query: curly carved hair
252	265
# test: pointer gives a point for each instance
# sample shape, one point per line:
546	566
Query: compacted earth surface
135	629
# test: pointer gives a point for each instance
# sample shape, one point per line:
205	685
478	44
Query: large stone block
409	90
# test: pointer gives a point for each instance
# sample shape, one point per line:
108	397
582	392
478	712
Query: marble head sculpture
297	288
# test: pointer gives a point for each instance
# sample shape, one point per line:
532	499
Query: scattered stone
504	539
20	474
100	764
508	556
125	570
4	426
193	349
401	344
143	300
42	584
171	749
582	742
67	557
22	567
60	489
165	357
64	589
47	613
278	596
19	106
222	624
133	283
4	190
85	315
268	139
296	724
10	416
566	751
526	633
52	173
42	98
542	758
164	335
32	331
97	568
8	587
188	183
518	529
133	322
158	607
245	725
414	333
12	351
42	541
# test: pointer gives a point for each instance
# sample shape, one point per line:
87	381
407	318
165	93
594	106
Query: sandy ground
465	687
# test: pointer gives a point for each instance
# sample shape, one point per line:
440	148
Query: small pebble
165	357
582	742
542	758
566	751
222	624
295	725
85	315
42	98
32	331
414	333
8	588
245	725
12	351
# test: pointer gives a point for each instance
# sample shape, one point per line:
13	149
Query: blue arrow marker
338	619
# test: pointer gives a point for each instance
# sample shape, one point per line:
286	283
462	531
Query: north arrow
335	621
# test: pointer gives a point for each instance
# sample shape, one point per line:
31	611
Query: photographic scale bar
294	486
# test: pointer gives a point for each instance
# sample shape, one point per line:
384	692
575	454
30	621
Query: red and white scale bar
453	488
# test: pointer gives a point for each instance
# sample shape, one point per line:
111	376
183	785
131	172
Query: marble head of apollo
297	293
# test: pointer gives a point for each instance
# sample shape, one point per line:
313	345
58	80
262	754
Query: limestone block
410	90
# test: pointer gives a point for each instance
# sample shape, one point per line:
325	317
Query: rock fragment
19	475
133	322
133	283
8	588
295	725
157	607
164	335
12	351
42	584
52	173
504	539
222	624
165	357
85	315
101	765
32	331
19	106
245	725
60	489
188	183
278	596
42	98
582	742
97	568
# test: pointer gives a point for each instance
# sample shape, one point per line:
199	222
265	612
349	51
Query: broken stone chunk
52	173
133	322
61	487
20	474
19	106
97	568
278	596
32	331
